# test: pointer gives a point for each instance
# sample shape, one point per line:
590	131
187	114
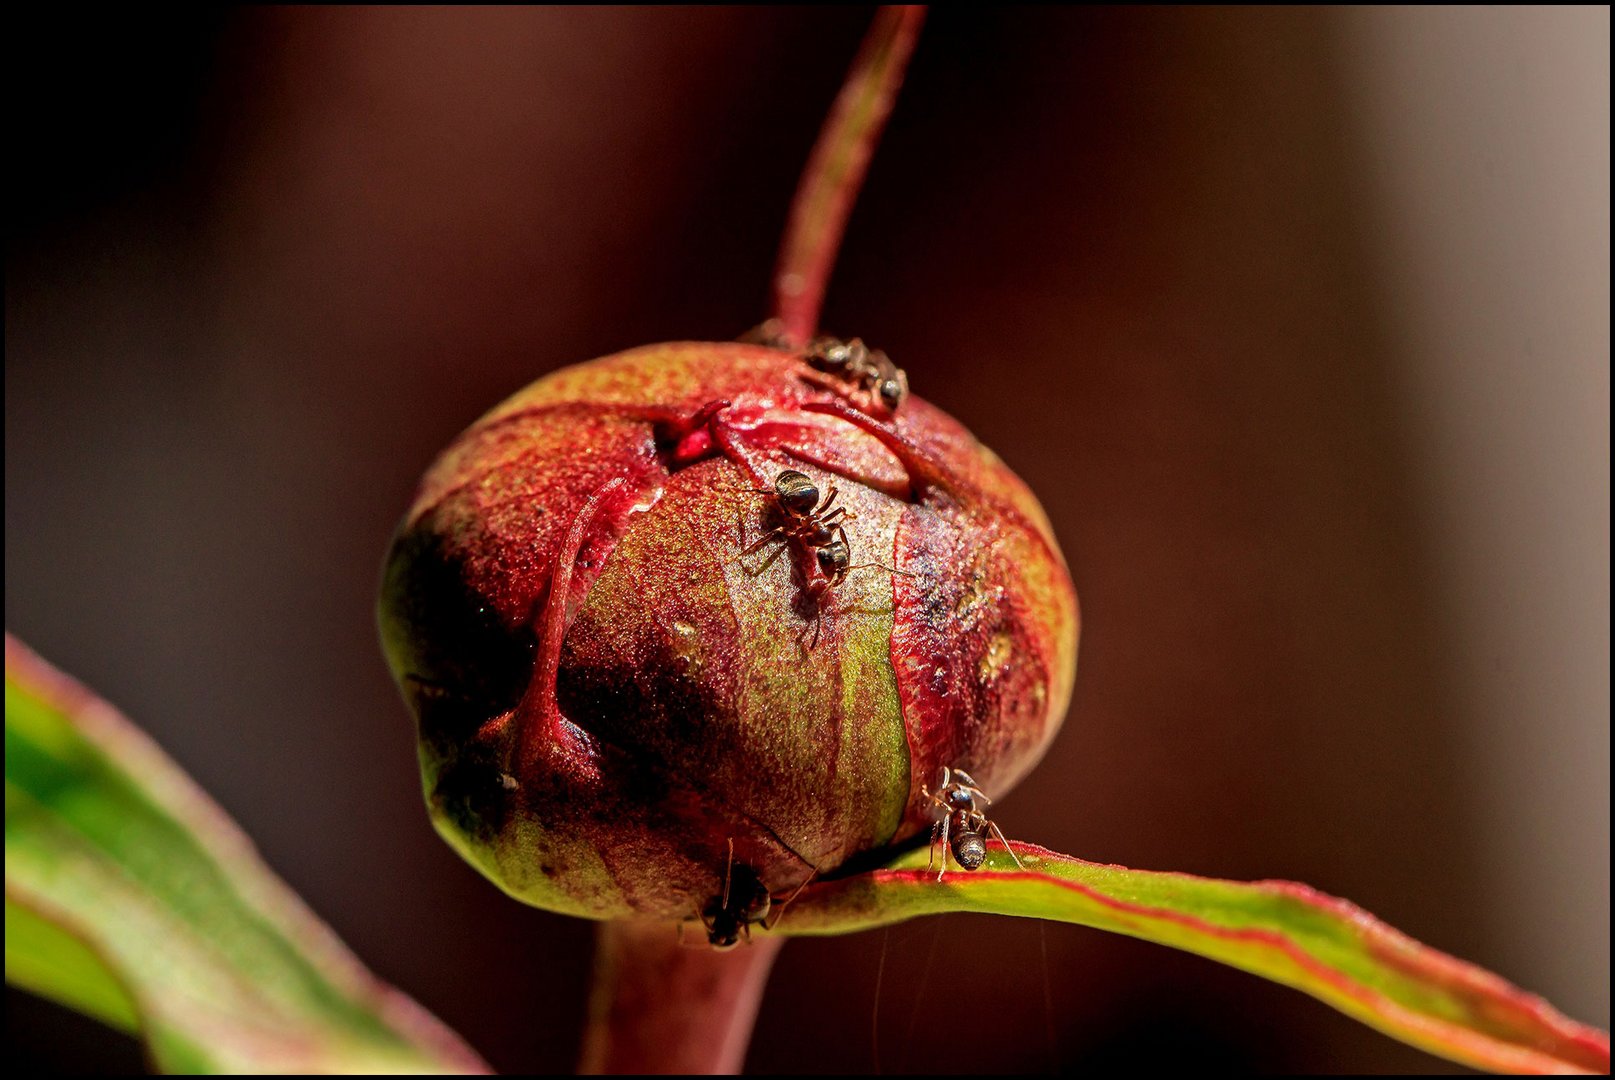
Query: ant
745	901
810	521
957	797
870	370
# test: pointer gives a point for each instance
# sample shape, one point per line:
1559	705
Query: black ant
957	797
812	523
744	902
870	370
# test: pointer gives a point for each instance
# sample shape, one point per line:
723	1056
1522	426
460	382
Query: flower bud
630	645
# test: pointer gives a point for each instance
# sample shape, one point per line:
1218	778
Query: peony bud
618	672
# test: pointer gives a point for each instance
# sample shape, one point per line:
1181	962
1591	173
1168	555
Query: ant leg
766	562
890	569
945	822
830	497
1000	834
779	912
767	536
727	868
706	924
930	862
819	382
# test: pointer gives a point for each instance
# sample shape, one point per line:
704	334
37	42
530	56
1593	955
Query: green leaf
131	897
1280	930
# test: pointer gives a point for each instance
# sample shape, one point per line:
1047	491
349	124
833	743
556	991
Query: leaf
1280	930
131	897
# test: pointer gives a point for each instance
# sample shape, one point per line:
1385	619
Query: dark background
1229	289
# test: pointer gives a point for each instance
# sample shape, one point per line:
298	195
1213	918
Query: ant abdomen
969	850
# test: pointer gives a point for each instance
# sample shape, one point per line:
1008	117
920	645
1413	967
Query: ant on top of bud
870	371
881	384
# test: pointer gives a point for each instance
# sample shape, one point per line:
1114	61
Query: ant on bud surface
870	370
963	824
744	902
810	521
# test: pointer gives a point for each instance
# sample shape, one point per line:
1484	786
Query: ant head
723	928
891	385
796	492
891	393
960	799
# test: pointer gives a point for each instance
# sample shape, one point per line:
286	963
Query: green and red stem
661	1005
836	169
657	1005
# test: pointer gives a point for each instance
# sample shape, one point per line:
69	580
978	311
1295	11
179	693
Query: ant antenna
993	825
882	566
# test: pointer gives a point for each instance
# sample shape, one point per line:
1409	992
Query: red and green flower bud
610	690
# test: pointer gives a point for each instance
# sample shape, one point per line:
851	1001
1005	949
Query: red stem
659	1006
836	169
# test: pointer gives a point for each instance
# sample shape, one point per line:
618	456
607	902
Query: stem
836	169
659	1006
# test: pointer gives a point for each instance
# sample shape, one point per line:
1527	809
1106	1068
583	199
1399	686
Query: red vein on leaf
836	169
1571	1045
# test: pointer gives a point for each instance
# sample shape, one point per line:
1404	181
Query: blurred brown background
1297	320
